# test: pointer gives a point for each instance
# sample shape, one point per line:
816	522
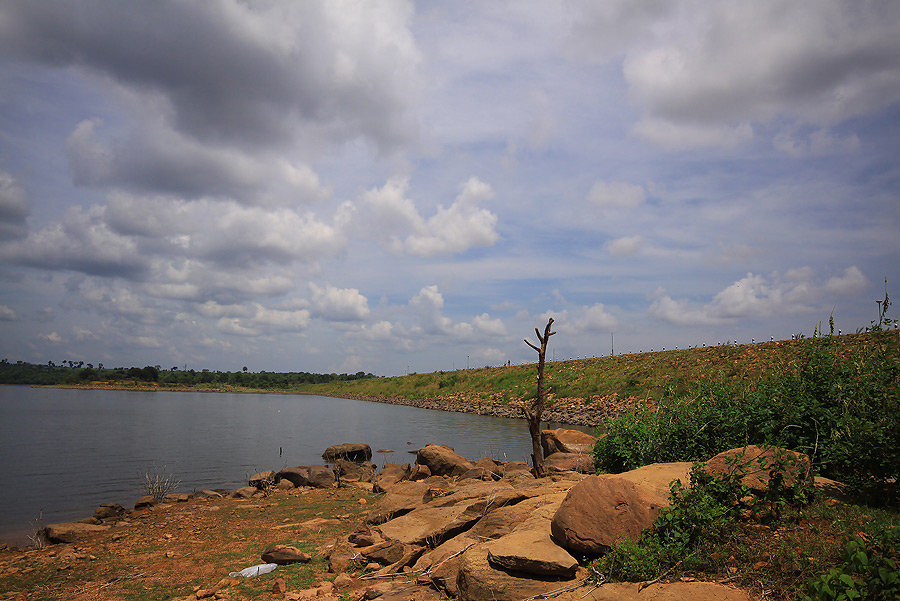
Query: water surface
66	451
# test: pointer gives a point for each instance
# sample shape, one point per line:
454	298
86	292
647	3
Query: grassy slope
640	375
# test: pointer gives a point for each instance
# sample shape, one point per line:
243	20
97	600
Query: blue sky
389	186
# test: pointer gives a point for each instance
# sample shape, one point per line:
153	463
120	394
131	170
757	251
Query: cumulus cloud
265	320
81	241
7	314
796	291
338	304
231	72
461	226
704	74
14	208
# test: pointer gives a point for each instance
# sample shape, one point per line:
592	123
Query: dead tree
534	411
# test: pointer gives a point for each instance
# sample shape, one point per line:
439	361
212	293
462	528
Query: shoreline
571	411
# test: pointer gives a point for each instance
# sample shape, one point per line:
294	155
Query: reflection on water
66	451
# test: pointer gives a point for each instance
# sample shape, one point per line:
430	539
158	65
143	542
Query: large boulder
562	440
673	591
320	476
443	460
399	500
390	475
569	462
70	532
477	580
757	463
530	548
284	555
298	476
109	511
262	480
349	471
355	452
658	477
599	511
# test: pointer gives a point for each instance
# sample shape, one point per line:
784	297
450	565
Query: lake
66	451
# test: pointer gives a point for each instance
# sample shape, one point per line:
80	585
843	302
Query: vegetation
71	373
838	403
773	542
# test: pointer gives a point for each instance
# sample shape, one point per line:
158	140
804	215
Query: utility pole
612	344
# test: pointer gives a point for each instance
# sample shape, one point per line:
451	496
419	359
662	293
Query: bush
840	408
869	571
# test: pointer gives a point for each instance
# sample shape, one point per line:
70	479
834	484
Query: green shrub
869	571
842	408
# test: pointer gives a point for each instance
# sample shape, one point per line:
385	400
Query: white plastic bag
263	568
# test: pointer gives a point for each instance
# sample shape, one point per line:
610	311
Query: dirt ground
171	550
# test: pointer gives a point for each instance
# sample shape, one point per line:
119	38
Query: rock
402	498
478	473
658	477
284	485
209	494
600	511
320	476
562	440
108	511
443	460
419	472
69	532
674	591
354	472
298	476
569	462
758	462
244	492
343	581
384	553
357	453
832	489
262	480
145	502
429	525
365	538
177	497
529	547
478	580
390	475
284	555
279	587
503	520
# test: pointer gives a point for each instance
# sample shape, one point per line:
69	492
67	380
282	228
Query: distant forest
78	372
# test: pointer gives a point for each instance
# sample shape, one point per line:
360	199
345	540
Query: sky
411	186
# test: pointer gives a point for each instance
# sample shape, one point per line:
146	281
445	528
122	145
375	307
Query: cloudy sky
338	186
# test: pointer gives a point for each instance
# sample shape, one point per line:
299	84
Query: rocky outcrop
355	452
601	511
262	480
320	476
298	476
109	511
569	462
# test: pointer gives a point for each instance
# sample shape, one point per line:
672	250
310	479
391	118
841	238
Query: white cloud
339	304
820	142
7	314
596	319
625	246
616	195
753	296
852	282
457	228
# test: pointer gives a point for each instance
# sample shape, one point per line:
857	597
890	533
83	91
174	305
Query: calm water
66	451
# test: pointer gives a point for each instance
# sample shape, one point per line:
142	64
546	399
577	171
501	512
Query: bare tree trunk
534	411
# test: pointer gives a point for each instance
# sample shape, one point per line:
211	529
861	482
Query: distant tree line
69	372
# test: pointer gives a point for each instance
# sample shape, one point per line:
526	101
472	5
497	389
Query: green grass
650	376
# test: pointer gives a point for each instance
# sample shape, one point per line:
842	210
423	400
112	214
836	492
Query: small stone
372	593
373	566
284	555
362	501
170	554
279	587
